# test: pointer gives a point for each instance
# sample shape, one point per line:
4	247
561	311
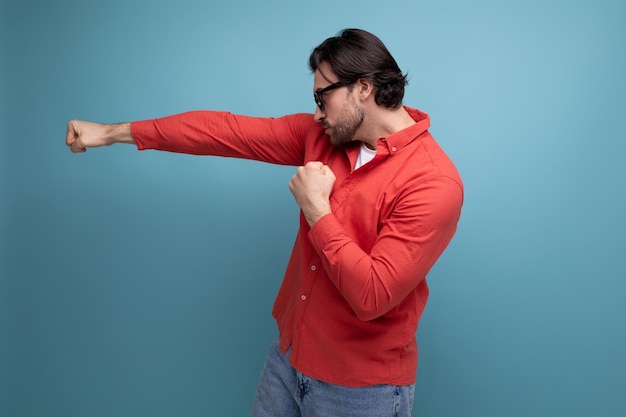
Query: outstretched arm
274	140
82	135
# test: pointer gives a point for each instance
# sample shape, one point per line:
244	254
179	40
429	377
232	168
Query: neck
383	122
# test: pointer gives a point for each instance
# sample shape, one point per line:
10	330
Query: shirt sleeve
273	140
410	241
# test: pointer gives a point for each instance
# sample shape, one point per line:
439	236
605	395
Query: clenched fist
311	186
82	135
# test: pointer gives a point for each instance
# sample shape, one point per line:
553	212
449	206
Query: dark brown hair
355	54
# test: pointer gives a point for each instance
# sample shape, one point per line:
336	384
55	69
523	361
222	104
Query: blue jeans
285	392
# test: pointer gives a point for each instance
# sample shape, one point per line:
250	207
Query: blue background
142	283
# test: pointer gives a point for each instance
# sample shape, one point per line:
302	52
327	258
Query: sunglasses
317	94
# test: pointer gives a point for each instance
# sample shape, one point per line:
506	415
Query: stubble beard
350	121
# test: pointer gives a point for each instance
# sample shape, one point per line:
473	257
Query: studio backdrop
141	283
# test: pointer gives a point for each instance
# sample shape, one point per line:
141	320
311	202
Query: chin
333	139
338	142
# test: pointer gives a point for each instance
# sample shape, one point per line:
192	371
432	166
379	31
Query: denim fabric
285	392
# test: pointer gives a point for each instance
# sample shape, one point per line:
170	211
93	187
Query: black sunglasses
317	94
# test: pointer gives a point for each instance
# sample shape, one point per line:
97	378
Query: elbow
371	303
368	313
367	316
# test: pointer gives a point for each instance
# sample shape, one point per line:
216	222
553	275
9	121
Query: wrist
313	216
119	133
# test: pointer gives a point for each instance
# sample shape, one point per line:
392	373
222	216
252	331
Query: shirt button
303	297
393	149
313	267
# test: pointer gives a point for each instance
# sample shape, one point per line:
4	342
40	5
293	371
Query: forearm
405	248
371	283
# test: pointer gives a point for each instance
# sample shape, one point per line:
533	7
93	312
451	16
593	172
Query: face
342	116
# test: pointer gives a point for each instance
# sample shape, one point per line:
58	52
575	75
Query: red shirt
354	288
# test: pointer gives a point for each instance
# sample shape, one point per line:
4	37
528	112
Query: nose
319	115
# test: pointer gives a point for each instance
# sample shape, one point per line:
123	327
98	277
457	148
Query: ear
365	88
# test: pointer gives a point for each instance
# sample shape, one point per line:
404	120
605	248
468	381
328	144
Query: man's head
356	54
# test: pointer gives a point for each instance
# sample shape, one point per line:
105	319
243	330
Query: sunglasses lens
318	101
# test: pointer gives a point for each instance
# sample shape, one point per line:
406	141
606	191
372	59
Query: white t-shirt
365	155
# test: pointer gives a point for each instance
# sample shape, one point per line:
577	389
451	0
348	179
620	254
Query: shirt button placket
313	267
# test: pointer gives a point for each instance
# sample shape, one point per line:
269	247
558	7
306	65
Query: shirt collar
391	144
396	141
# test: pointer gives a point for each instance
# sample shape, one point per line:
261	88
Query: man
379	202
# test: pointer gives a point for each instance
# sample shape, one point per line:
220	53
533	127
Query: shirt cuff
324	230
144	133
